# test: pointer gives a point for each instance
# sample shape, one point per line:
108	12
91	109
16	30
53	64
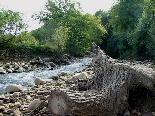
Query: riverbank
34	100
17	59
25	101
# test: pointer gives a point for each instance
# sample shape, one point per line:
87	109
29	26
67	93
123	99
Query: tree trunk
59	103
108	90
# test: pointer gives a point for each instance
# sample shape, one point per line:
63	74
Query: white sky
29	7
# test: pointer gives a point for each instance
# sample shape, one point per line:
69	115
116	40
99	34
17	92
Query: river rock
2	97
17	104
15	65
39	81
13	88
56	77
77	76
2	108
20	70
17	113
2	71
46	59
34	104
52	64
153	73
62	74
1	102
9	70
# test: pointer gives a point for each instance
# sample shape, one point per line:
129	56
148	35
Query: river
26	79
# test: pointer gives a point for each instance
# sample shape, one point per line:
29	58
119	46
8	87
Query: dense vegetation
130	25
125	31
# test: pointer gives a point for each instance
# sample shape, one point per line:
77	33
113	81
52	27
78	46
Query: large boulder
39	81
2	71
34	104
13	88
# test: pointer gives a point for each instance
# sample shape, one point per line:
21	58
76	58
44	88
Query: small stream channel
26	79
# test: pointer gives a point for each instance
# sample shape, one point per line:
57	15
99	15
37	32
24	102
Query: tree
44	34
25	38
81	29
10	24
144	36
60	37
124	18
105	16
106	39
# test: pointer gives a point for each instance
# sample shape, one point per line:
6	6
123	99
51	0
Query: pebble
1	102
17	104
2	108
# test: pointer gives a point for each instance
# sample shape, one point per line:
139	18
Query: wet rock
52	64
62	74
13	88
34	104
56	77
2	71
39	81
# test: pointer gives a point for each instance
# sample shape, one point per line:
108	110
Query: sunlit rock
34	104
2	71
13	88
38	81
77	76
17	113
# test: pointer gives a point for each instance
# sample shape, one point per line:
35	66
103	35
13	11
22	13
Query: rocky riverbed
19	102
25	66
34	101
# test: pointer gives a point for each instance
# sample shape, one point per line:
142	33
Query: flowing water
26	79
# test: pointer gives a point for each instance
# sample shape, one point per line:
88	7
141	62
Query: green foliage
10	24
144	35
26	38
105	16
130	29
124	18
84	30
60	37
66	27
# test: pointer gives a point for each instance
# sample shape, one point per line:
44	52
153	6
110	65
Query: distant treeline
125	31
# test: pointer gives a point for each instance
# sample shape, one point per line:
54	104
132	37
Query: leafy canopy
10	24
